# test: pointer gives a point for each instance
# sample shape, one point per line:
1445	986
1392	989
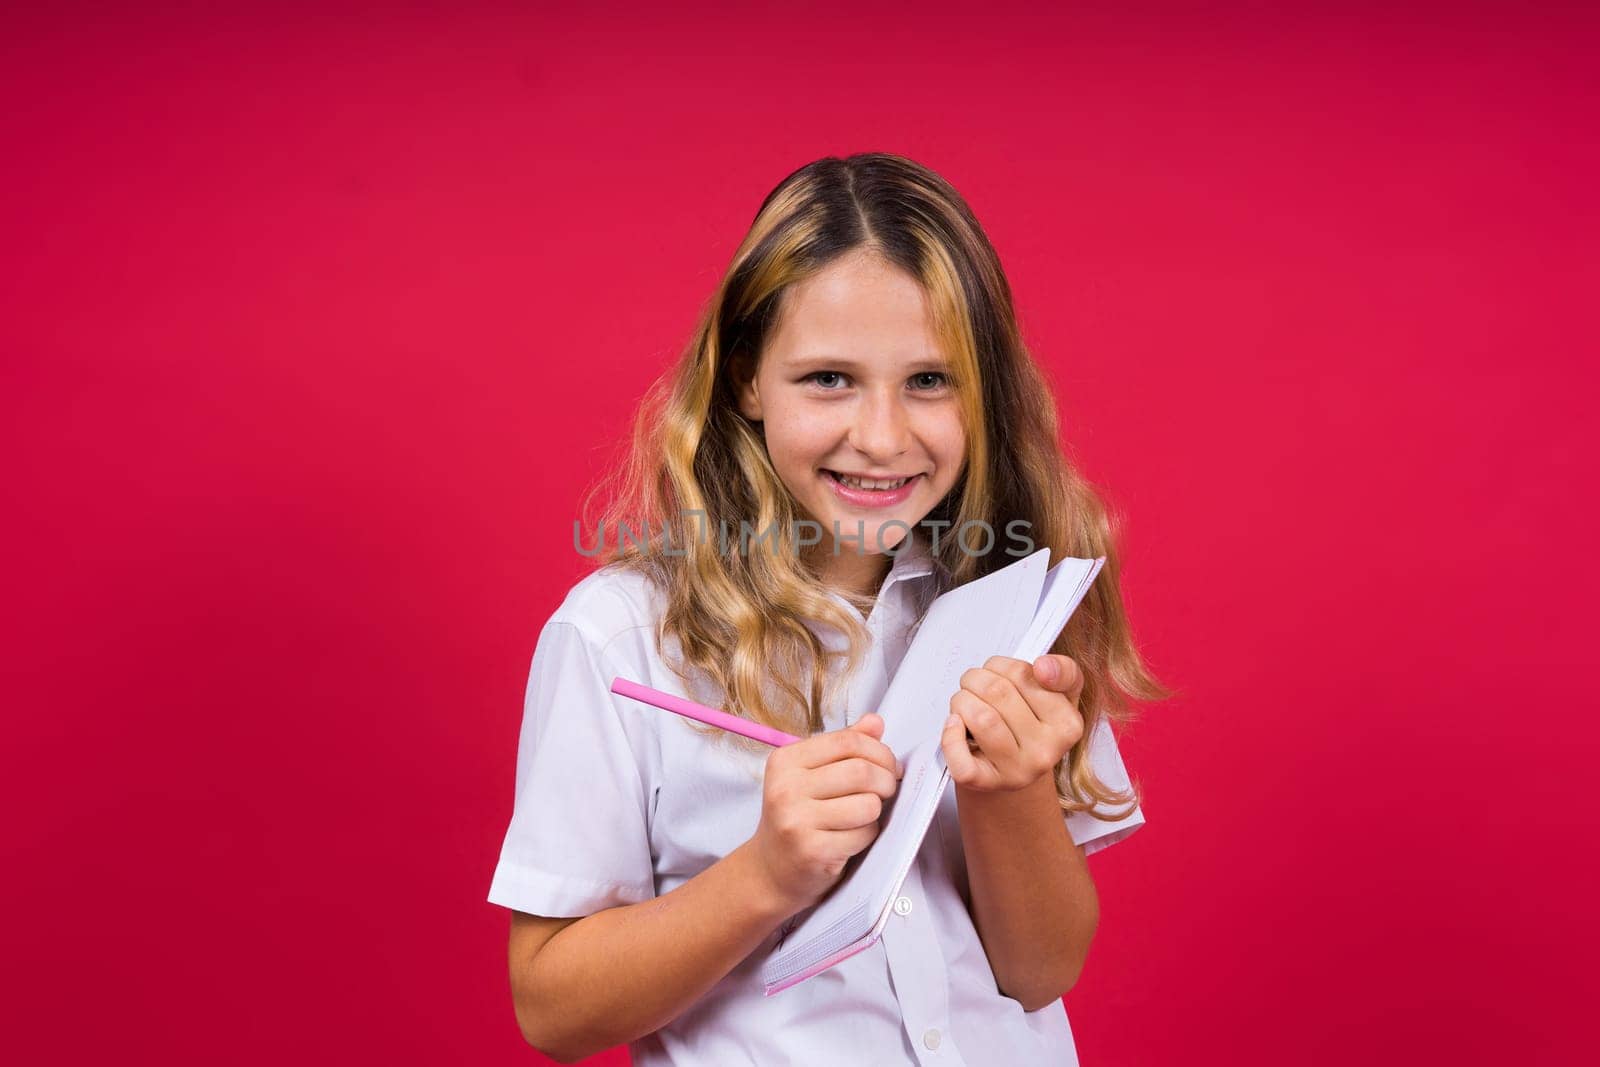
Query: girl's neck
861	573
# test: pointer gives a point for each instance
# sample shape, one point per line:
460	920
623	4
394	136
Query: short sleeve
578	840
1086	830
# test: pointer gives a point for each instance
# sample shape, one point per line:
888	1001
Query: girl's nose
881	428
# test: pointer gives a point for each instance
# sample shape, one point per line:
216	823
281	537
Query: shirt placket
917	966
910	940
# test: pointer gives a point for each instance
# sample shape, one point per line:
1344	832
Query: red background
316	325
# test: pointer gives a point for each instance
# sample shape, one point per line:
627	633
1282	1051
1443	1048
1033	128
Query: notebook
1019	610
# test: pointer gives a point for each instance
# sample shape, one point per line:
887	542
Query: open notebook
1019	611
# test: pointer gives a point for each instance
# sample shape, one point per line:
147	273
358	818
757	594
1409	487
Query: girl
856	394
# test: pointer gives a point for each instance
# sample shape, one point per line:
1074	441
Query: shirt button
902	906
931	1039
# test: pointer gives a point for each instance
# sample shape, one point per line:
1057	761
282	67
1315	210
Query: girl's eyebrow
817	360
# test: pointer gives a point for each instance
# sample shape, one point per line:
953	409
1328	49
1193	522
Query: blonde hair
695	464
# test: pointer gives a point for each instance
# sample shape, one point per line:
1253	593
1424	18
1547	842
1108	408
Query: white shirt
617	802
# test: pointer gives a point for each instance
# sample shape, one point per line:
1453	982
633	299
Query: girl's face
852	382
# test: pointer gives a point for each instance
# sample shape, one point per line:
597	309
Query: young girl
855	428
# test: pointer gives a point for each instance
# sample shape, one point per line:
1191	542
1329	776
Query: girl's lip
870	498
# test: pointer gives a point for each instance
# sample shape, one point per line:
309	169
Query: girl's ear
743	372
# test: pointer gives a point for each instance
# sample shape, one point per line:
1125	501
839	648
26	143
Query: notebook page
962	628
1055	606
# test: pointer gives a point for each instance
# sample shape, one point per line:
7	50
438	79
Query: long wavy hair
695	466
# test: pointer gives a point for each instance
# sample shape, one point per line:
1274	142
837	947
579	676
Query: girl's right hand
820	804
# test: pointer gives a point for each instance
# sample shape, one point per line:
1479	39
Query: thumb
871	723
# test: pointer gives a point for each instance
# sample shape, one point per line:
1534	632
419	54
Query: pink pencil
668	702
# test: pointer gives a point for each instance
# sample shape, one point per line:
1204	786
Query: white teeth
868	483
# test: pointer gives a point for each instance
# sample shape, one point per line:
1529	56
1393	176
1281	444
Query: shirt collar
914	558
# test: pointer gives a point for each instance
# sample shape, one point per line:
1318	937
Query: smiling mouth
870	485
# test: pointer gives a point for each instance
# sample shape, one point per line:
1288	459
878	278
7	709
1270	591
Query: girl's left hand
1023	718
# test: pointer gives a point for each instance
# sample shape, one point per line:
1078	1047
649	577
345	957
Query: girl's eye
938	380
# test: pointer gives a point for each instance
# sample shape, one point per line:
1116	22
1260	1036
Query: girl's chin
872	531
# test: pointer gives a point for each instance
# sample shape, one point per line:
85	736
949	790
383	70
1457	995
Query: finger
843	744
1061	674
986	726
850	842
853	775
1052	707
885	756
871	723
848	812
1050	673
1001	694
965	766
